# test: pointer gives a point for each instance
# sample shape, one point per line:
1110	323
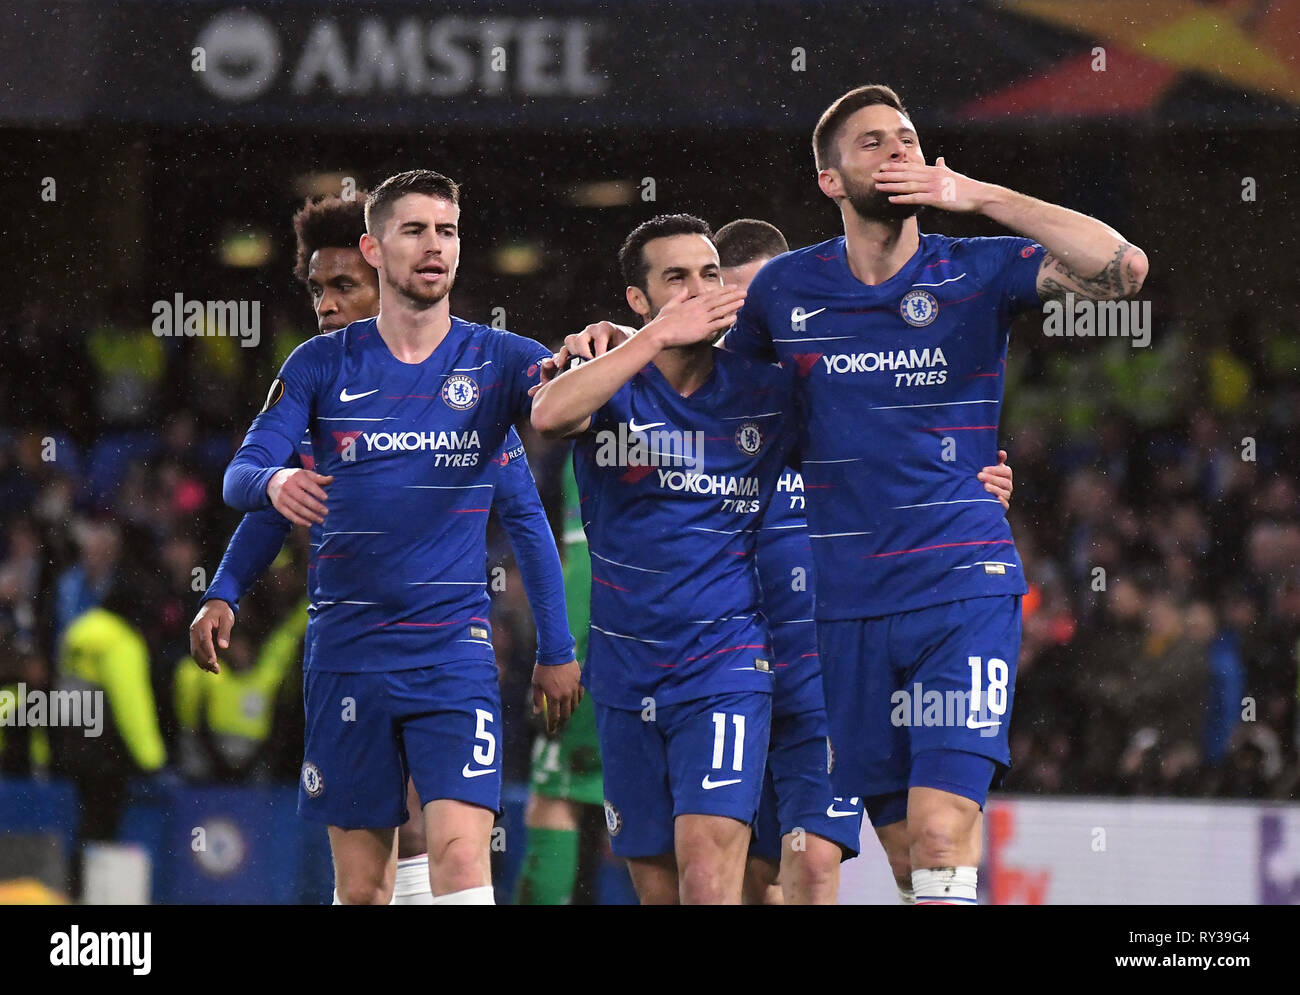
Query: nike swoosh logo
835	813
633	426
709	785
972	724
798	314
344	396
466	772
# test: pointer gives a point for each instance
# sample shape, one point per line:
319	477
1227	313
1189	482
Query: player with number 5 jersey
405	412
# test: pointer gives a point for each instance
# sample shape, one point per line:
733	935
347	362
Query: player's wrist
992	200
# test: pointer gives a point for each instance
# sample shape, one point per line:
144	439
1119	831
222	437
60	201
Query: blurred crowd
1156	510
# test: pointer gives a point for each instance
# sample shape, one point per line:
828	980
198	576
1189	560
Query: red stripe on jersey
727	649
942	545
608	584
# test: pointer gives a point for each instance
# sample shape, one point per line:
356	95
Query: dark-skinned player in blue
344	288
405	412
898	340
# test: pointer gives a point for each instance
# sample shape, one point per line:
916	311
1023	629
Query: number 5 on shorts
484	755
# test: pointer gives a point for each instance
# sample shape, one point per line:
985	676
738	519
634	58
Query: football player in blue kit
404	411
344	288
803	830
898	341
678	449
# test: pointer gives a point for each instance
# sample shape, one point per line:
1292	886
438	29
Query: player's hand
594	340
558	689
930	186
702	318
216	616
998	480
299	495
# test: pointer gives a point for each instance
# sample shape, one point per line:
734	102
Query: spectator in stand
83	585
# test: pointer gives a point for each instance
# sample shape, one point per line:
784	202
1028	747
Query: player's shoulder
983	251
328	347
749	373
497	339
810	257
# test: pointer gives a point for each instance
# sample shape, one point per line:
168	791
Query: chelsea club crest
312	782
613	821
918	308
749	440
460	392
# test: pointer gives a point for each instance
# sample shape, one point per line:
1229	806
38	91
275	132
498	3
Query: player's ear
638	302
370	250
829	181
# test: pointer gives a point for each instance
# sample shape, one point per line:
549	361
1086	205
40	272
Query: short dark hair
381	200
746	239
631	258
327	223
827	132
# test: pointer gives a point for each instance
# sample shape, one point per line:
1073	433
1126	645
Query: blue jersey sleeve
519	507
256	542
751	336
522	359
1011	266
514	479
283	420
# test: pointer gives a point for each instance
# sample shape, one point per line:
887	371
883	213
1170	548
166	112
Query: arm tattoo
1116	279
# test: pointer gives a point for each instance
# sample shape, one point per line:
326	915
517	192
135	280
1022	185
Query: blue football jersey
785	574
673	492
900	387
397	575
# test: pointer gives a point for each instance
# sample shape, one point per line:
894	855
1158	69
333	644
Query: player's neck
687	367
412	334
877	250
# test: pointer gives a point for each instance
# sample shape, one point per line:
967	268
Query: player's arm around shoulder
564	405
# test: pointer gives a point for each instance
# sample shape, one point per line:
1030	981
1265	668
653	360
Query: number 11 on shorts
720	737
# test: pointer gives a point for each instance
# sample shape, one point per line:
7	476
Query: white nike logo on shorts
834	813
709	785
466	772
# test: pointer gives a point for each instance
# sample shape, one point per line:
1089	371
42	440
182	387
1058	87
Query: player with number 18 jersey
901	387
